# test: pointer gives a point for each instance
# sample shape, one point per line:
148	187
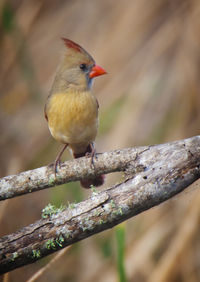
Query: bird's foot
54	165
57	161
57	164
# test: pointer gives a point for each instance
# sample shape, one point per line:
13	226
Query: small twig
42	270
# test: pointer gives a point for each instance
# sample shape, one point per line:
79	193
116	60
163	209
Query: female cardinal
71	109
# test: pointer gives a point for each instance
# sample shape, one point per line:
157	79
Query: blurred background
151	50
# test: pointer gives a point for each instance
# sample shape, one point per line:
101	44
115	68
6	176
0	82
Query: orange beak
96	71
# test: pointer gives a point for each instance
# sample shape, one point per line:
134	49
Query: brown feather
71	44
45	112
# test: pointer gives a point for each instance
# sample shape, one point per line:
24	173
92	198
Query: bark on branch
154	174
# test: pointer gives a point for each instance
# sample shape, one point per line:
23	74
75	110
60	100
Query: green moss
101	221
71	205
93	189
97	213
84	228
51	180
60	240
36	253
50	209
50	244
14	255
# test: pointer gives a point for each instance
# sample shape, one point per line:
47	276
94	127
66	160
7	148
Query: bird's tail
97	180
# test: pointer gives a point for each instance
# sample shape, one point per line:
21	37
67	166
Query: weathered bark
44	177
153	175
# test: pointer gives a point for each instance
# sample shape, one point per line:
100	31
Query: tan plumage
72	118
71	109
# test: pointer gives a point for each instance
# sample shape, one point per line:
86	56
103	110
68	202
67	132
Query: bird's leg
92	154
57	161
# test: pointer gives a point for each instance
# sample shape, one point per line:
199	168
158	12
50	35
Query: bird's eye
83	67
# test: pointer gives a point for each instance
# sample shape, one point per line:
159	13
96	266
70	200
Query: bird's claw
93	155
57	164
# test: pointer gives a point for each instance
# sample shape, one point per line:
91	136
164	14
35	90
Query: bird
71	109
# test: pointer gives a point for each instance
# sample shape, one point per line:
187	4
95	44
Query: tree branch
153	175
73	170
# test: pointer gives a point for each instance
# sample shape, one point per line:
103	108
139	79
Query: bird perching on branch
71	109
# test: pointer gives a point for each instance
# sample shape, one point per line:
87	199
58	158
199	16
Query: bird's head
78	68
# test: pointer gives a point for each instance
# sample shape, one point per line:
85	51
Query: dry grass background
151	50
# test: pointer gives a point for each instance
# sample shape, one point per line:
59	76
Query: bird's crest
74	47
70	44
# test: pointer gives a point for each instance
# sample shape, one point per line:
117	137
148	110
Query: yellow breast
73	117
